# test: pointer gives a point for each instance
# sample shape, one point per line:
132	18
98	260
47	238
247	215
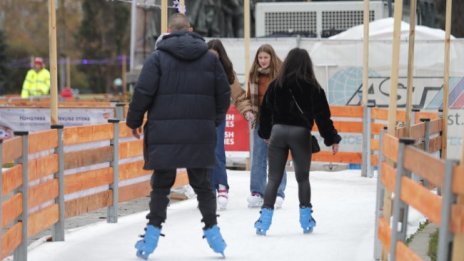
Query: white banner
34	119
455	133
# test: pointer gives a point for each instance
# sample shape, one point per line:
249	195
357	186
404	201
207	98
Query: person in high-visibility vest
37	82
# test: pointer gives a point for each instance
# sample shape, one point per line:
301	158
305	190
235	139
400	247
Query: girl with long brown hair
266	65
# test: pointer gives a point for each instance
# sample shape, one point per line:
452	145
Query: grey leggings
298	140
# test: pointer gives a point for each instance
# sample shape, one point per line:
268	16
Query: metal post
412	121
20	254
366	170
114	187
414	111
365	74
427	134
404	212
379	201
120	111
426	121
444	235
440	115
58	228
397	204
390	8
62	72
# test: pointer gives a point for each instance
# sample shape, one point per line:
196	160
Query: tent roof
382	29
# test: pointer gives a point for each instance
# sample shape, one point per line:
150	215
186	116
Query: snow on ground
343	203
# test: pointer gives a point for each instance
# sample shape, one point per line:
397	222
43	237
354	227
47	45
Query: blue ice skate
215	240
264	221
306	220
147	245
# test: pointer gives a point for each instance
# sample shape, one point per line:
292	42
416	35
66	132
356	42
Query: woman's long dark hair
297	66
216	45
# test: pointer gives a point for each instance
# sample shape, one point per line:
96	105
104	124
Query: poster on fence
455	131
34	119
237	134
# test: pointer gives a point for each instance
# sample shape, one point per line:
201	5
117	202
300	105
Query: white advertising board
33	119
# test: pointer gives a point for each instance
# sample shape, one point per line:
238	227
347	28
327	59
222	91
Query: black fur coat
278	107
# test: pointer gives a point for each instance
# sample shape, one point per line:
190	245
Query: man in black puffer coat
185	91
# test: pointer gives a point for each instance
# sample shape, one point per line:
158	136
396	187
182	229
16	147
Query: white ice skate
255	200
222	197
279	202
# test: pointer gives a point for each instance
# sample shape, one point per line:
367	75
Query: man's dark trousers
161	182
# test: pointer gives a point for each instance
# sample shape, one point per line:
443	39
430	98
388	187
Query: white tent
382	29
346	49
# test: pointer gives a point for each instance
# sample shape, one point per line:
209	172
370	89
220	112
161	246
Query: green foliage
11	79
421	227
8	165
79	80
433	246
103	34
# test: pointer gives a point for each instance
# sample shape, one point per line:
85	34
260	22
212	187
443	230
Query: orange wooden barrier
457	222
10	240
12	179
43	140
39	221
12	149
11	209
414	194
86	134
82	154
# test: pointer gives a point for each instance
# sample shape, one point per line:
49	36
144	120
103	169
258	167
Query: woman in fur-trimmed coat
265	66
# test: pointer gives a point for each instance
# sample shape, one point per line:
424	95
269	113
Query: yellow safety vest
36	83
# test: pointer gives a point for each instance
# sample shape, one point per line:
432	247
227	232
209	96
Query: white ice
343	203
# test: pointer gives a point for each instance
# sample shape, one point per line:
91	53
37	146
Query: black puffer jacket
185	91
278	107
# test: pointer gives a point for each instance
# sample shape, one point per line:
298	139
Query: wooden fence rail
65	172
420	194
369	121
349	120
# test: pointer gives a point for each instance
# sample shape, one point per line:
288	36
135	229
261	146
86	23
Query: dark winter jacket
278	107
185	91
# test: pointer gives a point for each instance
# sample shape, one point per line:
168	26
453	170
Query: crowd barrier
64	172
412	170
365	121
368	121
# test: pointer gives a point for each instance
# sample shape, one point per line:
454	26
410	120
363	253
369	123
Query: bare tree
457	20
